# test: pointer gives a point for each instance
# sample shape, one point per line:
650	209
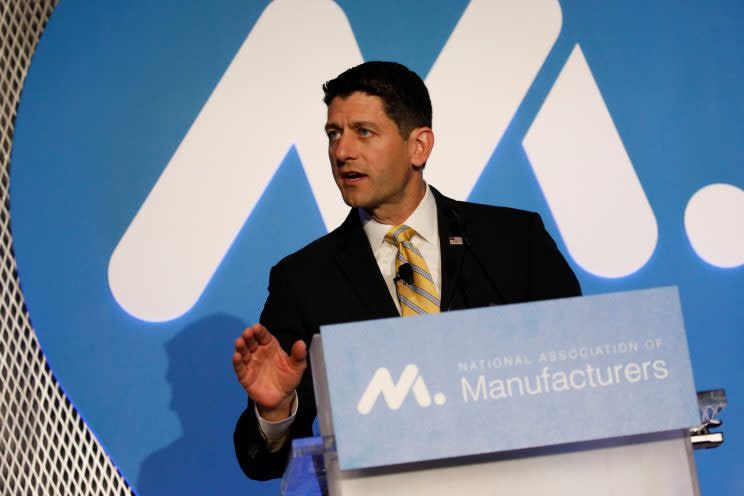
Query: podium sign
505	378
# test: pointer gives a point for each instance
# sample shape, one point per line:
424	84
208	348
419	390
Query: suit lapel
450	246
357	262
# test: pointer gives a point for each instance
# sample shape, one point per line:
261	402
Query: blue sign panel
511	377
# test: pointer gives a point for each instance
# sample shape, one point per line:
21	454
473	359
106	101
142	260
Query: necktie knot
399	234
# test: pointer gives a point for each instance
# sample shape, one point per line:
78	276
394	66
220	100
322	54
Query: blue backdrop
113	89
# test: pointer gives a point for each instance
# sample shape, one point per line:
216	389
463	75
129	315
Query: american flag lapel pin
455	240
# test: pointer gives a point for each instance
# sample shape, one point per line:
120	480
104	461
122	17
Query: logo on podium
395	393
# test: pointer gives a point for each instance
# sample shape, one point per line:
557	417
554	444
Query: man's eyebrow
358	124
332	126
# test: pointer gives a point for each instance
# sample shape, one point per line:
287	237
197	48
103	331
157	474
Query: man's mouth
352	176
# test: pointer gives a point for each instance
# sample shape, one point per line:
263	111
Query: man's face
371	162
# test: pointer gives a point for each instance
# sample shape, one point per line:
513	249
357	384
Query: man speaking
404	249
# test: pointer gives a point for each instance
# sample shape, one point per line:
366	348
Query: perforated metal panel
45	447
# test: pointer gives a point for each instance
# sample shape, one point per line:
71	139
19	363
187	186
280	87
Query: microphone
405	274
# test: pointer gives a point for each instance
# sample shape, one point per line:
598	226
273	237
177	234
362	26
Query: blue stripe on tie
418	270
410	246
425	294
399	231
405	301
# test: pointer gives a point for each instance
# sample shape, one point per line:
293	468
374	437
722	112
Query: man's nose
345	148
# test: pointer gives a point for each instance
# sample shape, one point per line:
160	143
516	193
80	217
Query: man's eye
364	132
333	135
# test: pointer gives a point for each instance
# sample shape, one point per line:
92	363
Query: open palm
265	371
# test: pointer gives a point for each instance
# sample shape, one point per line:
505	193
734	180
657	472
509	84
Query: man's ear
420	143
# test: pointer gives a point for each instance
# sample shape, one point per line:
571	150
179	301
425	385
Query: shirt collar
423	220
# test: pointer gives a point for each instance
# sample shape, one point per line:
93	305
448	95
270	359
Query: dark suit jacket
506	257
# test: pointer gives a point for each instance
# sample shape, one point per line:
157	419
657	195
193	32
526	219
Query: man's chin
355	201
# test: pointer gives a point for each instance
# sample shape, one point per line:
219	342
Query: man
458	255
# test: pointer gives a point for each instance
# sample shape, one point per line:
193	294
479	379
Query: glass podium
306	474
306	471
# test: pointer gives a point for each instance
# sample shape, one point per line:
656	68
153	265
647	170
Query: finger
245	339
241	371
243	348
245	357
298	353
237	361
261	334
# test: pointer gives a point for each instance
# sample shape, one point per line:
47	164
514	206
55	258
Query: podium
581	396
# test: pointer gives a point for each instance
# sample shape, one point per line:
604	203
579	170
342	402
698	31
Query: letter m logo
394	392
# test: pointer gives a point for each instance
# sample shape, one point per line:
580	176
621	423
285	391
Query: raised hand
266	372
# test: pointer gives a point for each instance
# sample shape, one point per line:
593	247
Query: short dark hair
406	98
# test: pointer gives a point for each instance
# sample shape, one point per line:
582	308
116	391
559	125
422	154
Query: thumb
298	353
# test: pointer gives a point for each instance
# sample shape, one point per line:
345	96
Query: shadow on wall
208	401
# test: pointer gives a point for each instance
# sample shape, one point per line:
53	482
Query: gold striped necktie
422	296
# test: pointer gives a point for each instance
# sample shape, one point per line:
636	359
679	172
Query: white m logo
395	393
268	100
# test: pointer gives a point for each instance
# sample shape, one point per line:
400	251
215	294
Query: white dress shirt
424	221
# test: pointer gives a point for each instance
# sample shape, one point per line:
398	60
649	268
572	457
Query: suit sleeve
282	317
550	275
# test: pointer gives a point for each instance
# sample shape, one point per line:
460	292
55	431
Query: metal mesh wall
45	447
